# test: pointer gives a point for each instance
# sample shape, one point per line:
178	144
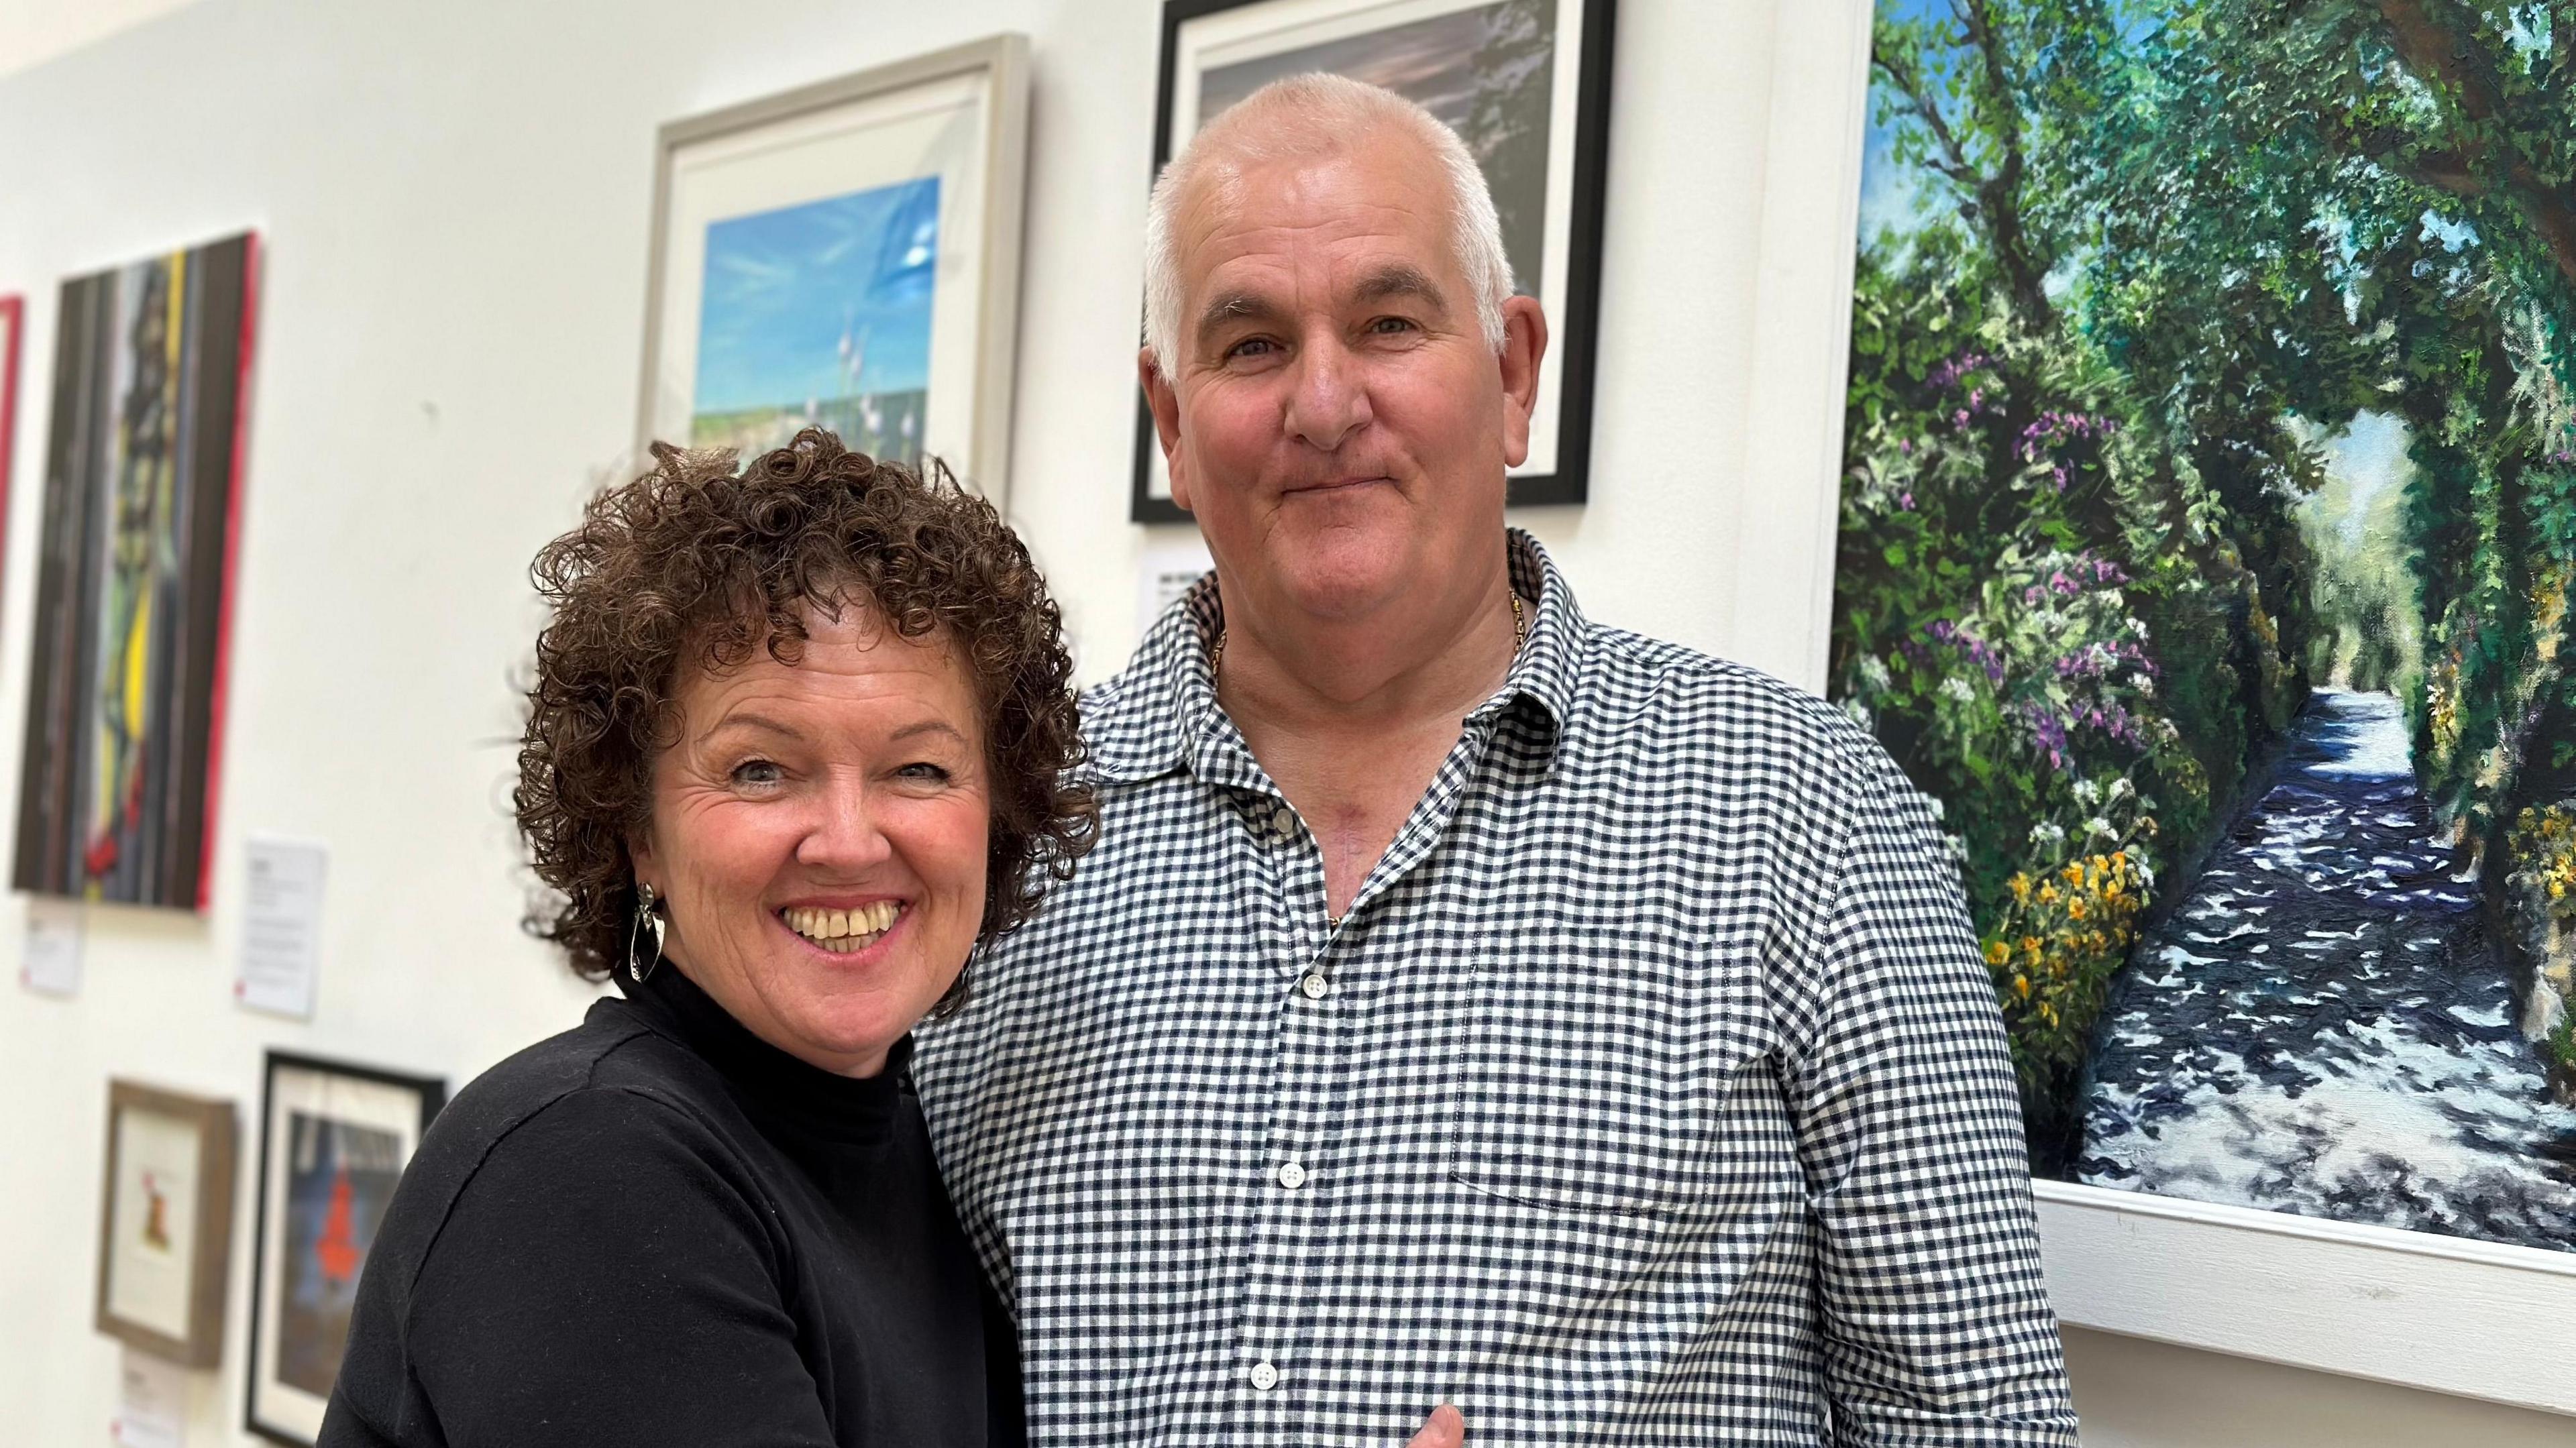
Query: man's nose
847	835
1328	397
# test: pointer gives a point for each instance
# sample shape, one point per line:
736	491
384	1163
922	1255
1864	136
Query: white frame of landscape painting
797	199
1413	46
2451	1314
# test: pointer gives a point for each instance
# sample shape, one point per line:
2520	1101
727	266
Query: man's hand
1443	1429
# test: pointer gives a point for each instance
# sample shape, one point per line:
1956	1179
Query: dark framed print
1526	83
165	1226
846	256
134	577
333	1141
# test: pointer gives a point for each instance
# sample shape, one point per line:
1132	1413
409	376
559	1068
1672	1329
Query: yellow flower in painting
2021	887
2021	986
2048	1013
1997	952
2030	946
2074	874
2075	908
2047	894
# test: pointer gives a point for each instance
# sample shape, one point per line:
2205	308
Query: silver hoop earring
637	967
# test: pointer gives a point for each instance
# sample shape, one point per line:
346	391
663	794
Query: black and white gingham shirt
1650	1093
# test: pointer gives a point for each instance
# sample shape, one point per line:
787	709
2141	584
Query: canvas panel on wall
2208	524
150	367
1525	83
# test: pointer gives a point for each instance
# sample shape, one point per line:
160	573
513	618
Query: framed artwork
165	1226
116	795
334	1139
846	256
1526	83
2197	535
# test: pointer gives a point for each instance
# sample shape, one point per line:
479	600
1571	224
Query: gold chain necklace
1520	638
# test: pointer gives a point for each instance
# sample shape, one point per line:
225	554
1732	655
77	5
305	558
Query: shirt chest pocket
1616	1082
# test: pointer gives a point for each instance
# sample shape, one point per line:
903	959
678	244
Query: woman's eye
757	771
930	773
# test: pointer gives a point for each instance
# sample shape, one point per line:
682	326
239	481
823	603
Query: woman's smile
844	931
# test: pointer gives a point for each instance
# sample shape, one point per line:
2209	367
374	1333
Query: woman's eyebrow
747	720
929	726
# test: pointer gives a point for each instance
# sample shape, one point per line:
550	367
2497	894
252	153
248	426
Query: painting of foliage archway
2207	528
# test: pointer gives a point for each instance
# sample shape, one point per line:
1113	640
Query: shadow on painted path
2324	1027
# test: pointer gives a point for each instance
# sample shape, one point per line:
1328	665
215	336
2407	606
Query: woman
799	740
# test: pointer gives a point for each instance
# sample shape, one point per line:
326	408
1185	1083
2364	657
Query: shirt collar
1160	714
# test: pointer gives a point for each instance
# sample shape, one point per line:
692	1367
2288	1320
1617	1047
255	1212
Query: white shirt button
1264	1376
1291	1175
1283	823
1314	985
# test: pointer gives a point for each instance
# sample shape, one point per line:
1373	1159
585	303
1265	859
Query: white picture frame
2452	1315
771	209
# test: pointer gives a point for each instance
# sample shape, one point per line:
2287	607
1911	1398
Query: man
1467	1003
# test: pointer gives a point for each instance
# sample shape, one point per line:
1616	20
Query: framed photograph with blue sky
845	256
1526	83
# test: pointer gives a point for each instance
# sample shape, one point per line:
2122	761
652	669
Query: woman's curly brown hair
692	566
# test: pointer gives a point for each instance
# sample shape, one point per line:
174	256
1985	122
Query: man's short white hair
1318	115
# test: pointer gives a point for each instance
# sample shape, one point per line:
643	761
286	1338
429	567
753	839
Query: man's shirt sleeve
1934	1314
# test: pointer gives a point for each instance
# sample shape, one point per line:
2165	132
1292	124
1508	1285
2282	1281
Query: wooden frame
1573	345
2451	1315
985	461
189	1290
392	1111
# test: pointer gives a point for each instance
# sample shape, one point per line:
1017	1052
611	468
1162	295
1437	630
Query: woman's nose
847	835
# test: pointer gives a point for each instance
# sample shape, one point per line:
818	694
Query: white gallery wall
453	203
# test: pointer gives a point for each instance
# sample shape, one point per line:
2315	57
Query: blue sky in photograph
823	300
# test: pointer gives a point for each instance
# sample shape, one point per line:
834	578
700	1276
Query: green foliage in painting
2152	270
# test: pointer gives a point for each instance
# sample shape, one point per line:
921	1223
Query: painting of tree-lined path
2207	530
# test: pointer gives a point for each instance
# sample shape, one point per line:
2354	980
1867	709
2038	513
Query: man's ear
1164	401
1524	343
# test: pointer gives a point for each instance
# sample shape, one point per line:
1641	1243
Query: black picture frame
261	1353
1574	335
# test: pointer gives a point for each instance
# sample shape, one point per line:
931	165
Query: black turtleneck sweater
659	1229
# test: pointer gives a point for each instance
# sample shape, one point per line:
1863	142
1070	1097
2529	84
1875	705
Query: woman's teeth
843	931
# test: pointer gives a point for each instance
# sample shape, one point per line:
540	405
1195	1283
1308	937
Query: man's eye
1249	347
1389	326
757	771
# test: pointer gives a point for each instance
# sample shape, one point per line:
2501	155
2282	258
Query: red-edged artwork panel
143	462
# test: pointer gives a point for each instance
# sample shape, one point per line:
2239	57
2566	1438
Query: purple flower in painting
1947	375
2047	733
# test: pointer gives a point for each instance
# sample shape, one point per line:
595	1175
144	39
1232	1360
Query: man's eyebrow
1234	307
1400	279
